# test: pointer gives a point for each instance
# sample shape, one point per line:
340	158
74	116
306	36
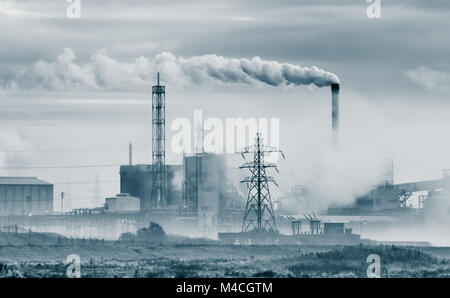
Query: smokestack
130	154
335	112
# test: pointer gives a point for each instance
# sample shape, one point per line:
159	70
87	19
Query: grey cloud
336	36
429	78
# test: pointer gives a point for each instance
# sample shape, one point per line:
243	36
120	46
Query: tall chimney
335	112
130	154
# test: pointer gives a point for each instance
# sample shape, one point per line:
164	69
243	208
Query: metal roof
22	180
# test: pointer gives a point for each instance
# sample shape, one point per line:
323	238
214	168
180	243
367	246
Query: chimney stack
335	113
130	154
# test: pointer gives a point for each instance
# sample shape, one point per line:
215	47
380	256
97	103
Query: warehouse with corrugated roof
25	196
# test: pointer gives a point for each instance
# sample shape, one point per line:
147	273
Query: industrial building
123	203
196	196
204	186
437	209
136	180
388	199
437	204
196	189
25	196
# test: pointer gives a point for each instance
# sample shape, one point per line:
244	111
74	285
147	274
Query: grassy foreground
116	259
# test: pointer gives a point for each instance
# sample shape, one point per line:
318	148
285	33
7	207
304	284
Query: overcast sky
83	84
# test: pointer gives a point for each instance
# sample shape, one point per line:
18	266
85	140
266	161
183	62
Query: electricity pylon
259	210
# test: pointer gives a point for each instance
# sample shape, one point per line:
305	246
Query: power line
61	167
89	198
308	208
173	161
85	182
306	204
296	180
70	150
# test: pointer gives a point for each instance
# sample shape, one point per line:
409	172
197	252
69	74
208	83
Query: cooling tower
335	112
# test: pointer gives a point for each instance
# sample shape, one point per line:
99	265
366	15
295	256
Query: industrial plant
213	148
196	204
196	198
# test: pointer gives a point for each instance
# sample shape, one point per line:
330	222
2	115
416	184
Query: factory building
437	204
437	209
204	186
137	181
122	203
25	196
333	228
379	199
387	199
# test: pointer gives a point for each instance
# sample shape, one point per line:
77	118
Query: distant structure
204	186
335	113
388	198
130	154
159	195
389	173
198	132
437	203
122	203
25	196
153	184
259	210
136	180
62	202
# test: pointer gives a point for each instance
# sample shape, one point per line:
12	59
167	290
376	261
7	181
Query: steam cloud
105	73
429	78
13	139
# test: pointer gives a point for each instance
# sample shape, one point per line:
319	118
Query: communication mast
159	195
259	210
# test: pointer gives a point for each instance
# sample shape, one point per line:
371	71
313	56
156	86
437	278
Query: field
196	258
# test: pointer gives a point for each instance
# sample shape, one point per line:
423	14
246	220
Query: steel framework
259	210
389	173
159	195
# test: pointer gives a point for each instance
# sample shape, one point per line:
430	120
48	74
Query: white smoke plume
102	72
12	139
